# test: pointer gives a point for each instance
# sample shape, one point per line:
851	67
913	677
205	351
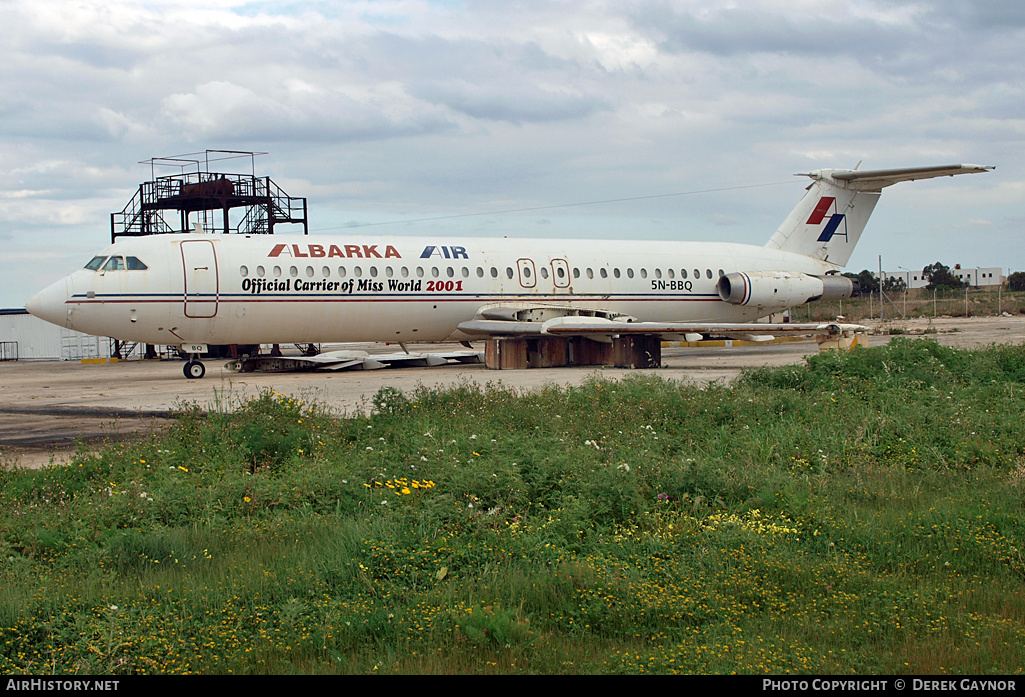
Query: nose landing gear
194	369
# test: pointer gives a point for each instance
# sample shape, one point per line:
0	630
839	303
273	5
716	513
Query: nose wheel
194	369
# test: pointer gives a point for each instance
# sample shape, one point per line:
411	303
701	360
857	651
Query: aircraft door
528	278
560	273
202	285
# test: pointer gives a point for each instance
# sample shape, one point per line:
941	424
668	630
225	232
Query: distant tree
940	276
866	280
894	285
1016	281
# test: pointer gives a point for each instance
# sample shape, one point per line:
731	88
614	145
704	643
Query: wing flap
495	327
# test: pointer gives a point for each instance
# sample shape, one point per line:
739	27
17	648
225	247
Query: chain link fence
962	302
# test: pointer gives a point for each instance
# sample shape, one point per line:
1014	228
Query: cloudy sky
386	112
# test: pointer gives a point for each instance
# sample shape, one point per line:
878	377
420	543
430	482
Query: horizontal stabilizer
878	178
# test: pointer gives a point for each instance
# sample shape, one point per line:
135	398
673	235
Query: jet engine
781	289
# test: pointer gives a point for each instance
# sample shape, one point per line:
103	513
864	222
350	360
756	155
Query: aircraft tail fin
829	220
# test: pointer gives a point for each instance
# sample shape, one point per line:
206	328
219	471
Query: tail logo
822	209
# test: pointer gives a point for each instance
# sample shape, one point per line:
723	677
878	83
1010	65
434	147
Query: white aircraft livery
195	289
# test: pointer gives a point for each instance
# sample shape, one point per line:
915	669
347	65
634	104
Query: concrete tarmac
48	409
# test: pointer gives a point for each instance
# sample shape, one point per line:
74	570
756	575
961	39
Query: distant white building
979	277
975	277
911	279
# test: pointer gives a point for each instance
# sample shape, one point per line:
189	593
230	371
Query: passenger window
260	271
95	263
419	272
466	272
708	273
405	272
683	273
450	272
388	271
480	272
293	272
243	271
341	272
357	271
615	272
672	274
494	272
576	272
590	273
435	272
309	272
277	272
604	273
135	264
629	273
326	271
697	274
544	272
509	271
373	271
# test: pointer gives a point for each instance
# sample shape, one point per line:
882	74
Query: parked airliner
195	289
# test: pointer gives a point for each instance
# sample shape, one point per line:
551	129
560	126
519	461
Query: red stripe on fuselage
423	299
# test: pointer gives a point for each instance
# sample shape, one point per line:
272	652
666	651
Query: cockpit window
114	264
95	263
135	264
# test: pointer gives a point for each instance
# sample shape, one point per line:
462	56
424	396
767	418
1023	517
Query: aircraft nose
50	303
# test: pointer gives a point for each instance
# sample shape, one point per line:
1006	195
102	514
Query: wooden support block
637	352
587	352
552	352
547	352
505	354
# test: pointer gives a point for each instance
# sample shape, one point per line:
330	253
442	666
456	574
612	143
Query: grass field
858	514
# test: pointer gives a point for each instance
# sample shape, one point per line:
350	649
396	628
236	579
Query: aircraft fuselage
205	288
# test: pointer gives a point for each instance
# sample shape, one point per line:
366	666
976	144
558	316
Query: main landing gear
194	369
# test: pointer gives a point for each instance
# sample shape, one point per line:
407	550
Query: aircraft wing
521	319
752	331
350	360
601	329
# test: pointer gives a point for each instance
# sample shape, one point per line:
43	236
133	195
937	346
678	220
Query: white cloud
409	108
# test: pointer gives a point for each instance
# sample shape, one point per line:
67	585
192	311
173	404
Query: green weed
859	513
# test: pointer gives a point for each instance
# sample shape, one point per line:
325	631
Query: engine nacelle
781	289
836	288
